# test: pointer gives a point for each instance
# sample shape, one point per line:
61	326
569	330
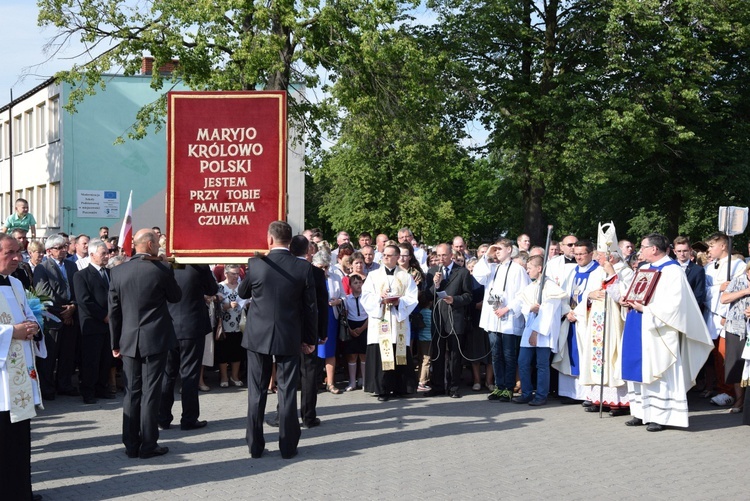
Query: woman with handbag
229	333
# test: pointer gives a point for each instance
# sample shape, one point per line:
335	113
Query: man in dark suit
54	278
92	287
282	321
452	287
142	333
191	324
310	363
696	275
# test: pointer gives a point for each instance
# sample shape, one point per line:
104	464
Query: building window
17	135
29	132
31	198
5	153
10	205
2	143
41	206
53	211
41	125
54	119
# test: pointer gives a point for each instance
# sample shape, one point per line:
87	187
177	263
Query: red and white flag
126	231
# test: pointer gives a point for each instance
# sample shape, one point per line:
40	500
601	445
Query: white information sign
96	203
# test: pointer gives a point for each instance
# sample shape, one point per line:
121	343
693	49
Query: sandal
332	389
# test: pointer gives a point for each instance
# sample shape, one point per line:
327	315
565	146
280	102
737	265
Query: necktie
447	273
356	299
103	273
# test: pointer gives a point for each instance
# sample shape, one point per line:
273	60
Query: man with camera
501	315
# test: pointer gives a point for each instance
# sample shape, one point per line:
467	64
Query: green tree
220	44
668	146
525	66
396	161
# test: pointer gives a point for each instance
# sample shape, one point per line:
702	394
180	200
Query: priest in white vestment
19	386
665	344
389	295
567	360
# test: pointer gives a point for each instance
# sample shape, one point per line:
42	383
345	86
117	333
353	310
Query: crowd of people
605	324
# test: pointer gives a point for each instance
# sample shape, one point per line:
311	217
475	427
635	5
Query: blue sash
632	341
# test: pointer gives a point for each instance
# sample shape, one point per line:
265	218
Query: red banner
226	173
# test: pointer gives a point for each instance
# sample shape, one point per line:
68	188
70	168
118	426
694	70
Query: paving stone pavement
415	447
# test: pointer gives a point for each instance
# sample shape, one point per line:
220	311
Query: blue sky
21	49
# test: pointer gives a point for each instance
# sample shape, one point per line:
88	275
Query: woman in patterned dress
229	349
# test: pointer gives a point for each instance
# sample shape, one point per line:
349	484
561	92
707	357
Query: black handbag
344	334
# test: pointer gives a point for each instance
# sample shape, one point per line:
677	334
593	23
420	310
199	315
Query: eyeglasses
391	255
404	256
646	246
59	247
112	251
569	245
578	254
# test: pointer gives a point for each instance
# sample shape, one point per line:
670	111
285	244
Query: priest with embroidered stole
665	343
19	387
389	295
567	360
600	347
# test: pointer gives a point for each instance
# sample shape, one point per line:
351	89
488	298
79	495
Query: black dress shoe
587	403
619	412
594	408
164	426
383	398
107	395
654	427
273	421
521	400
36	497
454	394
159	451
289	456
312	424
569	401
89	400
72	392
634	422
131	454
193	426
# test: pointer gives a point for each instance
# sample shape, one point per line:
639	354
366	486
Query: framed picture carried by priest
643	286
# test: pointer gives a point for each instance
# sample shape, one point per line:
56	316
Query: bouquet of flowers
39	303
